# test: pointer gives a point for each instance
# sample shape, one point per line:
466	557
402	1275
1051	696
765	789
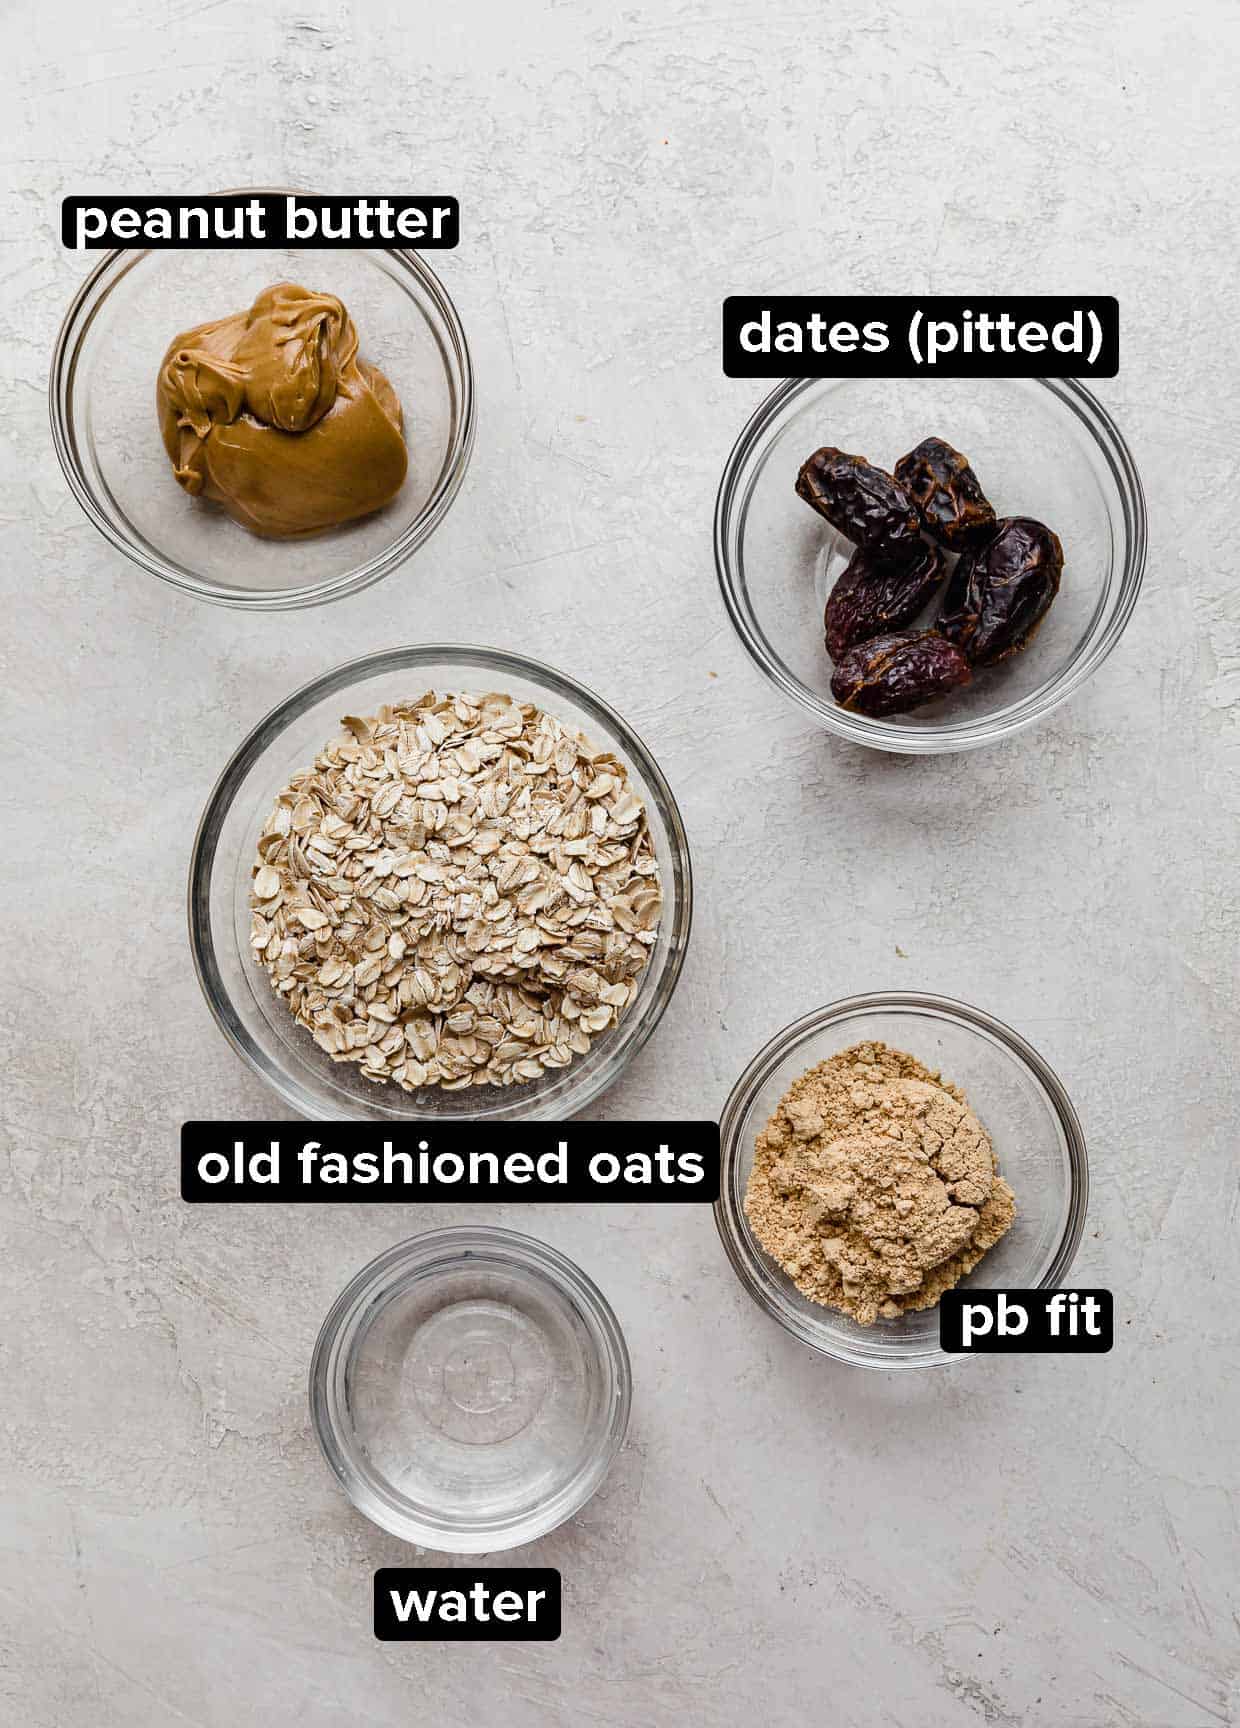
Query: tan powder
875	1186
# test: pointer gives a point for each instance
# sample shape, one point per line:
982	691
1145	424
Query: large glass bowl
1041	447
238	991
1016	1097
106	433
470	1389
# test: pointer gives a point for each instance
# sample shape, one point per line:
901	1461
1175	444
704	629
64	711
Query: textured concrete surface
1031	1541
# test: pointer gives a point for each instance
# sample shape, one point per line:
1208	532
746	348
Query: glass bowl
1019	1101
238	991
470	1389
1042	447
104	425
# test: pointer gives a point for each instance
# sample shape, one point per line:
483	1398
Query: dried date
862	502
873	595
999	593
954	509
891	674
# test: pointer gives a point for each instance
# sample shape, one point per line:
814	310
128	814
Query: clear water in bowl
474	1391
470	1389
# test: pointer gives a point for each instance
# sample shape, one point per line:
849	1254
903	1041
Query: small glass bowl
470	1389
1042	447
104	425
238	991
1019	1101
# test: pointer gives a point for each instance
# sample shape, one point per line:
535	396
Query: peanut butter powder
875	1186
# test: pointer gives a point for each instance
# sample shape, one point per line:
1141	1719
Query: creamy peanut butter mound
271	414
875	1186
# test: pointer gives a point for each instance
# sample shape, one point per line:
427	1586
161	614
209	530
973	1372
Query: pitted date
999	593
954	509
873	595
891	674
862	502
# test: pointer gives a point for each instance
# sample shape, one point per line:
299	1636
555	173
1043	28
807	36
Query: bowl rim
729	1207
113	267
730	510
678	906
346	1323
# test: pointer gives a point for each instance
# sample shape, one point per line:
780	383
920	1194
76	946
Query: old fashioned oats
459	892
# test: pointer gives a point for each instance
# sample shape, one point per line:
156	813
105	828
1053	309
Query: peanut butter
271	414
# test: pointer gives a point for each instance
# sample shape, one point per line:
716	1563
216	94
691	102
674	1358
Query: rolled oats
459	892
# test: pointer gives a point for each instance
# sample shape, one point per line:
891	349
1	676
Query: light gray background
1041	1541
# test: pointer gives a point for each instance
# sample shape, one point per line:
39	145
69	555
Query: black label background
1036	1339
273	204
533	1138
497	1578
896	312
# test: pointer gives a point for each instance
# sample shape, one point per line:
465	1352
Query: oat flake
459	892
